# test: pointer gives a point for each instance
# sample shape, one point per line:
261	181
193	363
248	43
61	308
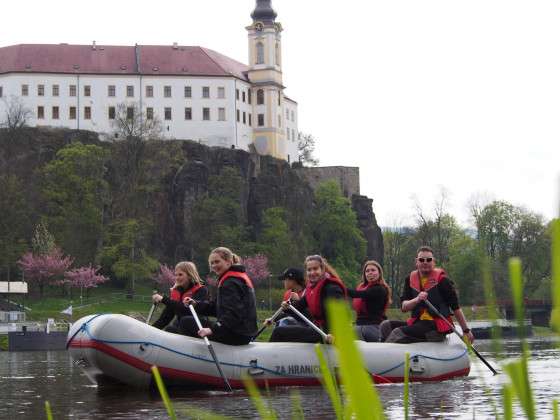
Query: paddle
152	309
210	348
276	315
435	311
319	331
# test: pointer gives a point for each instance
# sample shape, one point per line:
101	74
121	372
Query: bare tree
306	149
131	122
16	114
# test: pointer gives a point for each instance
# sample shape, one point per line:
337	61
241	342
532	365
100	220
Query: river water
27	379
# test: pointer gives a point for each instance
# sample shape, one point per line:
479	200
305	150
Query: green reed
163	393
48	410
406	396
328	380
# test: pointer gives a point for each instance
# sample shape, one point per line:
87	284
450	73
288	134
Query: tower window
277	54
167	91
188	114
205	91
149	91
188	92
55	90
111	113
41	90
206	114
130	91
72	90
260	53
167	113
40	112
55	113
72	113
260	97
111	91
261	120
87	90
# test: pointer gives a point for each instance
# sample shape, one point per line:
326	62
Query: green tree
400	246
335	229
277	241
126	252
75	193
13	222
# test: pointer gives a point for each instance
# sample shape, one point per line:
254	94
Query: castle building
197	94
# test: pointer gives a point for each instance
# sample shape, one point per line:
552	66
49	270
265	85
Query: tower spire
264	12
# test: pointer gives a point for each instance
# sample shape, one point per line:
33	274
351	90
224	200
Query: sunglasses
424	260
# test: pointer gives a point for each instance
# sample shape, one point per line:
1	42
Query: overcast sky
419	94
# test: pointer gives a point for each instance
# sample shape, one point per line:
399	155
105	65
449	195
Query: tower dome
264	12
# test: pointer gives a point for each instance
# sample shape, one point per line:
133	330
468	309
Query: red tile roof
112	59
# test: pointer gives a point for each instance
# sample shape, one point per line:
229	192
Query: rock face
267	182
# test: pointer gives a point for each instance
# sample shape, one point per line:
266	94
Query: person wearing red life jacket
235	306
426	283
187	284
370	301
294	286
323	283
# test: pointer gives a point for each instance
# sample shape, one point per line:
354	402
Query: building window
205	92
250	120
260	53
112	112
24	90
167	91
55	113
244	117
249	96
237	115
130	91
149	113
1	91
237	94
111	91
72	90
260	97
167	113
41	90
188	114
87	113
277	54
206	114
293	116
129	113
72	113
87	90
287	114
221	92
243	96
279	99
261	120
149	91
55	90
221	114
188	92
40	112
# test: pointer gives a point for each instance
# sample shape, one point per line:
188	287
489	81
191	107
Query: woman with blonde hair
323	282
235	306
371	299
187	284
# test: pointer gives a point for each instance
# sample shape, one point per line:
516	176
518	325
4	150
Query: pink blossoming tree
257	267
84	277
165	276
44	269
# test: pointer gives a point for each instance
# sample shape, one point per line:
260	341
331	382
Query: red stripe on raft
236	383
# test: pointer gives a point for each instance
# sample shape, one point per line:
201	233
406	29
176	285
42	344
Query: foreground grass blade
358	385
264	412
507	402
555	316
297	408
329	382
406	384
48	410
163	393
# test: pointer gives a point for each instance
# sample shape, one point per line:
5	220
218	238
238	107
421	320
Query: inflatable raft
119	349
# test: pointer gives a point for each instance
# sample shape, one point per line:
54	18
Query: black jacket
177	309
376	299
235	306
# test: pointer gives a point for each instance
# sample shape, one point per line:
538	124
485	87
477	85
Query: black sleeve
371	293
300	305
333	291
165	318
407	291
448	293
206	307
201	294
178	308
232	304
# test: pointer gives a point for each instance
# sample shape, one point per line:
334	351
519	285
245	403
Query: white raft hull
119	349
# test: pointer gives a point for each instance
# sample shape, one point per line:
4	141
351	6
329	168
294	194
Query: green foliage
43	242
126	251
13	223
335	229
464	266
48	411
75	192
555	249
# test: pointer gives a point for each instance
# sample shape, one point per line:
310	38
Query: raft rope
85	328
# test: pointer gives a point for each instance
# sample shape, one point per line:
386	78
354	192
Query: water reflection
27	379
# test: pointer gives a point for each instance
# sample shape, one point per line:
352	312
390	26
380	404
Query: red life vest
313	297
237	274
175	295
359	304
289	292
435	277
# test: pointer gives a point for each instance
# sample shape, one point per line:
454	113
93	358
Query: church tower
265	75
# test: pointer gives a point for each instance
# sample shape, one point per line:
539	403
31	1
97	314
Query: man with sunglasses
432	284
